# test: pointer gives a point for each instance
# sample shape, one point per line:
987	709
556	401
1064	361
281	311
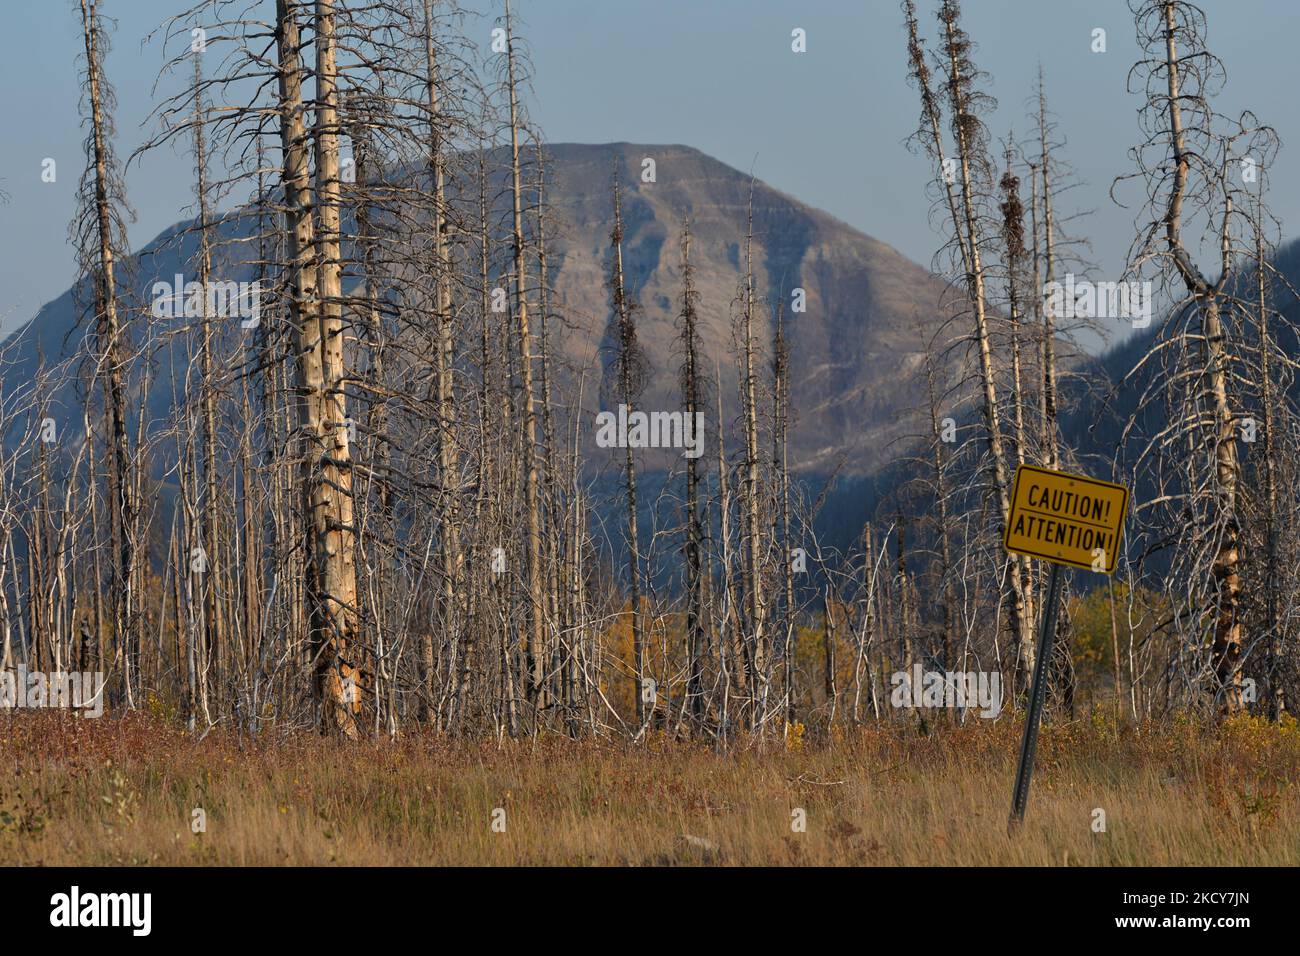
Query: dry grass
121	791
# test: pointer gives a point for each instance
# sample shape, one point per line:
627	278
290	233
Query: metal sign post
1037	695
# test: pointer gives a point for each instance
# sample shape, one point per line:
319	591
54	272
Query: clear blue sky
826	126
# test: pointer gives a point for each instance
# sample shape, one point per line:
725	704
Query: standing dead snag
692	404
970	168
212	564
536	609
628	378
315	310
1013	253
1187	164
752	552
96	231
1042	306
731	650
563	658
331	492
444	358
781	513
1274	529
939	464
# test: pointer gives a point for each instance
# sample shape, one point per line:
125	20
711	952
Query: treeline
369	502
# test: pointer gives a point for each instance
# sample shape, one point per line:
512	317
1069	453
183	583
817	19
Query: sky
827	125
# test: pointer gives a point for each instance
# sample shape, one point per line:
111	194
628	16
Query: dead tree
536	608
747	347
627	379
98	233
965	179
1188	164
693	405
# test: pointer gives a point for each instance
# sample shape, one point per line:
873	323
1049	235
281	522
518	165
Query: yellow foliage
1093	633
794	735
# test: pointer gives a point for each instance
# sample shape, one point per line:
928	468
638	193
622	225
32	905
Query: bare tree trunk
212	618
696	637
444	359
533	534
753	527
549	461
316	313
961	203
110	365
1276	647
781	475
733	648
628	383
941	514
1047	355
1226	653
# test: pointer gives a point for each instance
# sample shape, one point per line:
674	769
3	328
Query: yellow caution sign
1066	519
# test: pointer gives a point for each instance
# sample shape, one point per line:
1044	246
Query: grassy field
124	792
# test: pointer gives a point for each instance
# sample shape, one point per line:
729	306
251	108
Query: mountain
854	352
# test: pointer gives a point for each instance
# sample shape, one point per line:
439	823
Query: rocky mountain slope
854	350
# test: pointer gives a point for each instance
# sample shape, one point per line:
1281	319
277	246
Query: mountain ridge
853	352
